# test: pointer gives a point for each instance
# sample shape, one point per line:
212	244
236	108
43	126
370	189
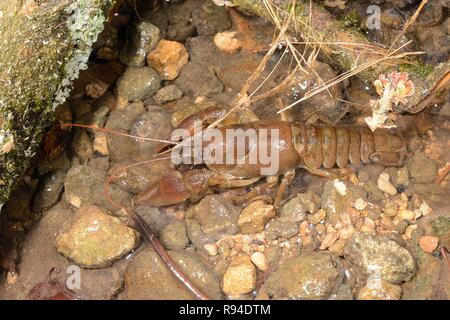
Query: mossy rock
47	43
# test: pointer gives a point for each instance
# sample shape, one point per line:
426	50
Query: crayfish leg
339	173
285	182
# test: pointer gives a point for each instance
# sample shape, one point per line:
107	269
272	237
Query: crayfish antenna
138	223
147	232
137	220
77	125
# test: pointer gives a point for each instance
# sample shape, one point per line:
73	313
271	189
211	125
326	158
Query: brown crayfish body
318	149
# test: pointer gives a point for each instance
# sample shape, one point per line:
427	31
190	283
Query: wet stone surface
148	278
96	239
366	251
307	276
138	83
371	232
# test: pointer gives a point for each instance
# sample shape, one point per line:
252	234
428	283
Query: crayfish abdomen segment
326	146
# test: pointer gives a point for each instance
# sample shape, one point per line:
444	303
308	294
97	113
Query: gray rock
312	275
441	228
49	189
82	146
339	195
296	208
148	278
39	257
196	235
122	119
179	16
401	226
160	19
168	93
374	213
367	251
210	19
180	32
173	236
85	185
343	293
96	239
154	123
398	176
138	83
198	80
216	216
18	207
281	228
422	169
156	219
121	147
142	37
99	163
374	194
138	178
101	109
82	185
61	163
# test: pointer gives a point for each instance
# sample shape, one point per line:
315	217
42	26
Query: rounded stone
312	275
240	277
367	251
96	239
138	83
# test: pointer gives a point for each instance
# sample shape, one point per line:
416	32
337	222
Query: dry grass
312	45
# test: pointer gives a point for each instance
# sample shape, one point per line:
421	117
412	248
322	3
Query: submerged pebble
142	37
168	59
96	239
173	236
428	243
385	185
367	251
168	93
216	216
312	275
49	190
240	277
138	83
254	217
148	278
382	291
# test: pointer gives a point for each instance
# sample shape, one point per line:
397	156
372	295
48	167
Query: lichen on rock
46	45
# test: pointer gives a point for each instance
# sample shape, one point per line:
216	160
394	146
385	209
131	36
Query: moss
422	70
352	20
47	45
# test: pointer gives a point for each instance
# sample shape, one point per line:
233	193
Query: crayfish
318	149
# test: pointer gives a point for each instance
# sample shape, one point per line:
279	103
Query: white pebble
227	41
409	230
405	214
260	261
360	204
340	187
425	209
385	185
211	248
